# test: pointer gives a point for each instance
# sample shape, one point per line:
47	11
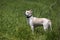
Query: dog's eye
27	12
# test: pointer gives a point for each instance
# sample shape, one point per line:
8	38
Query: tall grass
13	24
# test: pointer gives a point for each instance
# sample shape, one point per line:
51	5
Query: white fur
34	21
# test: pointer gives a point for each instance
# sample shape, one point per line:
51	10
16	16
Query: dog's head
28	13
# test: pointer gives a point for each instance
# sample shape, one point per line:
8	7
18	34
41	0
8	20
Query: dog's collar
29	16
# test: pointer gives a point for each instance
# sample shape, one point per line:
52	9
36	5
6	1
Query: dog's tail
50	24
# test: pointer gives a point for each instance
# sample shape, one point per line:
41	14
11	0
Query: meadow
13	23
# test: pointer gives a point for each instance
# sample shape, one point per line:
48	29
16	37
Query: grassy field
13	24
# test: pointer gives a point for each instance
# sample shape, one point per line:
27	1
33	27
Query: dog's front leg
32	28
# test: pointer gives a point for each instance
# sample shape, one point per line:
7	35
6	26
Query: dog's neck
29	19
29	16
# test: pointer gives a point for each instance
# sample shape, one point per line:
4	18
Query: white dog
37	21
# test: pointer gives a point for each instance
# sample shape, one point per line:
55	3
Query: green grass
13	24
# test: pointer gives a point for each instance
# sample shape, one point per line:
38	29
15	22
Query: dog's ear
30	10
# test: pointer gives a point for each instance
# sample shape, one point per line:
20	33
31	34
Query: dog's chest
30	20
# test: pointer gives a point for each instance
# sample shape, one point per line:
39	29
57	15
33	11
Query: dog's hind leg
45	26
50	25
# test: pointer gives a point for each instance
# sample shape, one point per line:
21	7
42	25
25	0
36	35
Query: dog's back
39	20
